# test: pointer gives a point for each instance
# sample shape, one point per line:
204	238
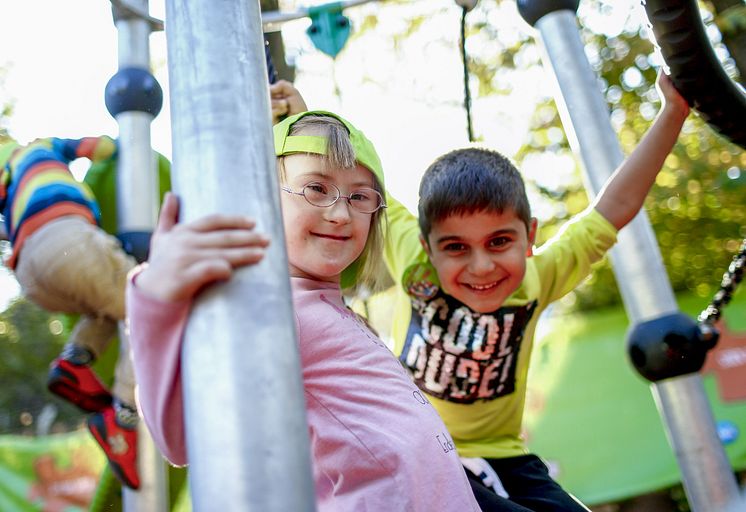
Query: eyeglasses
324	195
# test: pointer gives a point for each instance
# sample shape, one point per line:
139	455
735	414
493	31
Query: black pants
529	487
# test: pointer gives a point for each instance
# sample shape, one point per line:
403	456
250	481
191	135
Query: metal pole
246	433
638	265
137	177
646	291
691	431
137	210
273	20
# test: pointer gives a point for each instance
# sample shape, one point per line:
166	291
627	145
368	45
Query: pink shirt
376	442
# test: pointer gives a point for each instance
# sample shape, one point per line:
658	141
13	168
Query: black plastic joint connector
533	10
669	346
133	90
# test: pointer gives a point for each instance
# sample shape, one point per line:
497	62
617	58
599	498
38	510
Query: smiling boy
471	289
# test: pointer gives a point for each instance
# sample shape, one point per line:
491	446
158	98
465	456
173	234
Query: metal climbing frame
708	479
246	431
695	68
134	98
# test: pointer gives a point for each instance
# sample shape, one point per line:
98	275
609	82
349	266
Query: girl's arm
184	258
156	331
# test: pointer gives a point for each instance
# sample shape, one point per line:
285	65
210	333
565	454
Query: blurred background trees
30	338
698	208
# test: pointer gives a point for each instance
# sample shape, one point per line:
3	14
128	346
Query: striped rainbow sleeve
96	149
41	179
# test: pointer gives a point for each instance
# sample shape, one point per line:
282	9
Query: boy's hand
186	257
670	97
286	100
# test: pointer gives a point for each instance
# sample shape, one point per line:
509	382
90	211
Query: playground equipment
466	6
133	97
647	294
241	475
272	21
695	69
243	395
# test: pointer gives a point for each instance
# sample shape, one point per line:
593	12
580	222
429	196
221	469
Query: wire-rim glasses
324	195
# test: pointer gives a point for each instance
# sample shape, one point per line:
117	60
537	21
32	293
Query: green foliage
697	208
30	338
732	20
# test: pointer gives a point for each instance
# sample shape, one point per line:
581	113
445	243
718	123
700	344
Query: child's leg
115	428
93	334
527	481
124	375
69	265
72	266
124	385
70	374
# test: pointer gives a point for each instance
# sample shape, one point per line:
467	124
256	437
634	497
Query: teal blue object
329	28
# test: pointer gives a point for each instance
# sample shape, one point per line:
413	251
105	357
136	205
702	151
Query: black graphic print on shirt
459	355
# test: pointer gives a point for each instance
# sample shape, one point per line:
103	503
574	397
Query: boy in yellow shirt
471	288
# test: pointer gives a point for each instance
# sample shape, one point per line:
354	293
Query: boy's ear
531	237
425	245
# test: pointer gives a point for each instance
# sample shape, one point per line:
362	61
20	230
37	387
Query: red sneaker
78	384
119	444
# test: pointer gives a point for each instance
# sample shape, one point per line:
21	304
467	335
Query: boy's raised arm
286	100
402	238
624	192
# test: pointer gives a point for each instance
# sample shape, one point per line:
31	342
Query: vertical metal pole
638	265
246	432
646	291
137	176
137	210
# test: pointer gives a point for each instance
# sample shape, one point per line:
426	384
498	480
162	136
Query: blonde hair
340	154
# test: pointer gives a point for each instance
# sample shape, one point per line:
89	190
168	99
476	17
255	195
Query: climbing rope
728	285
464	60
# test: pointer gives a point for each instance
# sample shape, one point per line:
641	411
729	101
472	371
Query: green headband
286	144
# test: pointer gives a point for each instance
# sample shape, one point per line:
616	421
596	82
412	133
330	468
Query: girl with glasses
376	443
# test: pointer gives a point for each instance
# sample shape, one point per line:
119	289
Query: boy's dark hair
471	180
